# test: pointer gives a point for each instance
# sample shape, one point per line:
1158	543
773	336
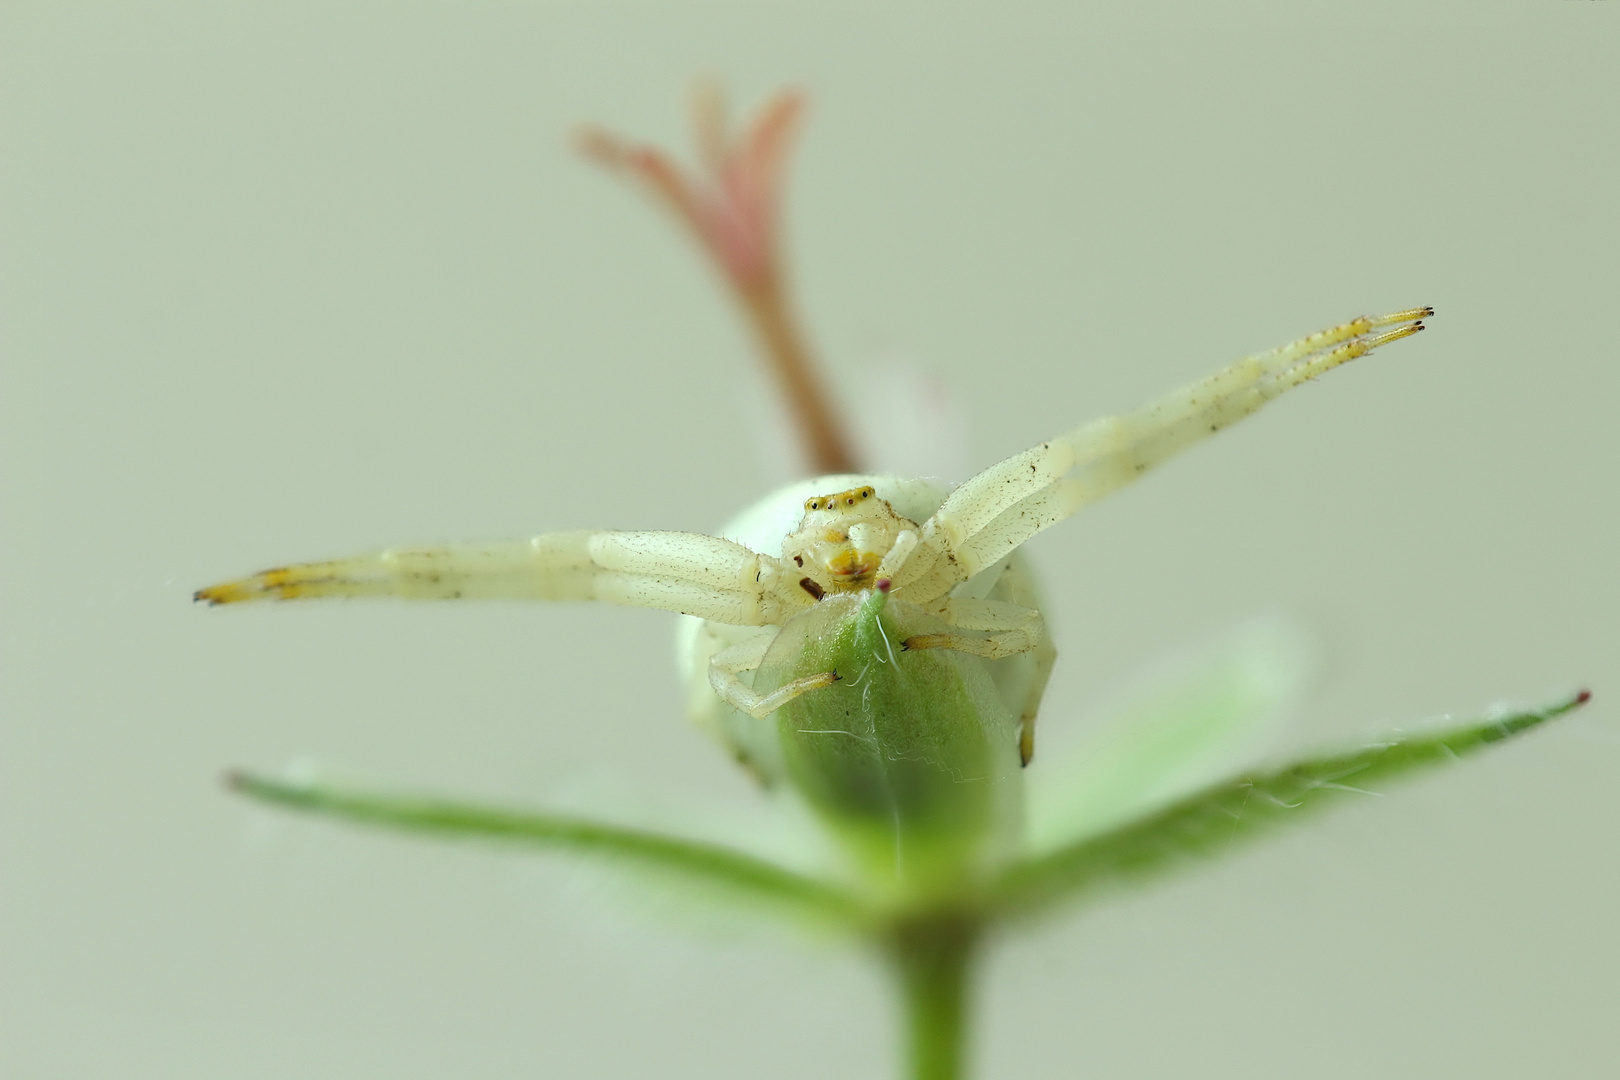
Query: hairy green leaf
1211	821
1198	720
694	860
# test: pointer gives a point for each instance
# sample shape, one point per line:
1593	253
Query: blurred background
300	280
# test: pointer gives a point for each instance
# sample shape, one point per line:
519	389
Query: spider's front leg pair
689	573
946	567
994	512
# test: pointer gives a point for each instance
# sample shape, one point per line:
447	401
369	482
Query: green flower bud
911	758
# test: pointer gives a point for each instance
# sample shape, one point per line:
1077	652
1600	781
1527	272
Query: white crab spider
948	561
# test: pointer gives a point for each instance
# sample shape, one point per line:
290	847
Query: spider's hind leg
725	666
995	628
998	630
1045	655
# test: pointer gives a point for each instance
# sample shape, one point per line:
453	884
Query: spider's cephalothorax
842	539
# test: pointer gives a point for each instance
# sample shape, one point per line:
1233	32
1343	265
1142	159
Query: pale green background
296	280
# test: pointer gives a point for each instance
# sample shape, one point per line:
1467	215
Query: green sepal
910	758
696	861
1210	821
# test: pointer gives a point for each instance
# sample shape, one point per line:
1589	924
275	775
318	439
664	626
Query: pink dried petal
734	210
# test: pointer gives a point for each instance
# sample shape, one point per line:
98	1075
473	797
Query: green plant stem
934	962
825	443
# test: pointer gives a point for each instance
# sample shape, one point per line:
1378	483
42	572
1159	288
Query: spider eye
866	493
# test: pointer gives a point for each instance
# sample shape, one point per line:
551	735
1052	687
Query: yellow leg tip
1410	315
1393	335
228	593
271	584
